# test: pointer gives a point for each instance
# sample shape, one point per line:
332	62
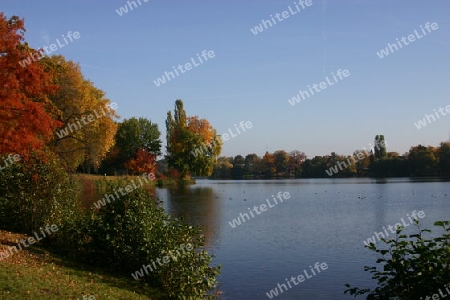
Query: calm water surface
325	220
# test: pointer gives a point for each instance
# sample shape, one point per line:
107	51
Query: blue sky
252	76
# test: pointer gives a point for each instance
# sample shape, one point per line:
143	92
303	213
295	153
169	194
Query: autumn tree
192	143
423	161
363	160
296	159
252	162
205	136
268	165
137	133
281	160
134	134
87	116
27	116
223	168
144	162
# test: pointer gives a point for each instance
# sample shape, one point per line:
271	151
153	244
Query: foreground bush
36	192
126	234
133	231
411	267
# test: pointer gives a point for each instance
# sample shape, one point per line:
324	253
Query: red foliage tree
26	115
143	163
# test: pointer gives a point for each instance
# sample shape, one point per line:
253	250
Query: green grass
98	181
34	273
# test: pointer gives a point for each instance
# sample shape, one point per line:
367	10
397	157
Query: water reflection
381	180
195	205
90	195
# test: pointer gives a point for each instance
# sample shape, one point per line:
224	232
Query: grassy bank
34	273
98	182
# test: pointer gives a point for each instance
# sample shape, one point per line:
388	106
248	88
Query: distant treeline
418	162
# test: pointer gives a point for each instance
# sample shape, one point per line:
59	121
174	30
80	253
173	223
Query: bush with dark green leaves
36	192
124	235
411	266
133	231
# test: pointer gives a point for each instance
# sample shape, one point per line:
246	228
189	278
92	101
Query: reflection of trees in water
196	206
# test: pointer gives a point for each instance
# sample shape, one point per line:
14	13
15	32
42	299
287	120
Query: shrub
36	192
412	266
133	230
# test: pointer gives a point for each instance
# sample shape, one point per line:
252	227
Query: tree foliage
133	231
419	161
380	146
192	143
138	133
423	161
143	163
133	136
87	116
36	192
27	116
444	159
281	160
412	267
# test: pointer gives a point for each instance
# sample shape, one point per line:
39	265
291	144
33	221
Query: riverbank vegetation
420	161
127	233
56	123
411	266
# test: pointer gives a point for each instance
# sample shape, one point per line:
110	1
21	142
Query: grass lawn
34	273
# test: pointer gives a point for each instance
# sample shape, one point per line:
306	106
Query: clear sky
251	77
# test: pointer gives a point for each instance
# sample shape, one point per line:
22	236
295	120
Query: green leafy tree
315	167
281	160
134	134
192	143
251	166
238	167
390	166
444	158
137	134
223	168
423	161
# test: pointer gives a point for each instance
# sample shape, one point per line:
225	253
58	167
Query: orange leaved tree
144	162
26	115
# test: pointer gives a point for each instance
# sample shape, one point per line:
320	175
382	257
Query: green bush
411	267
123	236
133	230
34	193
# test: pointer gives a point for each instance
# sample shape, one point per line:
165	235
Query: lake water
324	220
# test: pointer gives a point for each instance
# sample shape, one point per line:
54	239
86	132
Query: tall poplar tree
192	143
380	147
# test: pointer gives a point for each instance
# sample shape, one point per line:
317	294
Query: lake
324	221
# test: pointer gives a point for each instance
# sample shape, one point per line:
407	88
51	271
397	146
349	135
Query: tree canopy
27	116
87	116
192	143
